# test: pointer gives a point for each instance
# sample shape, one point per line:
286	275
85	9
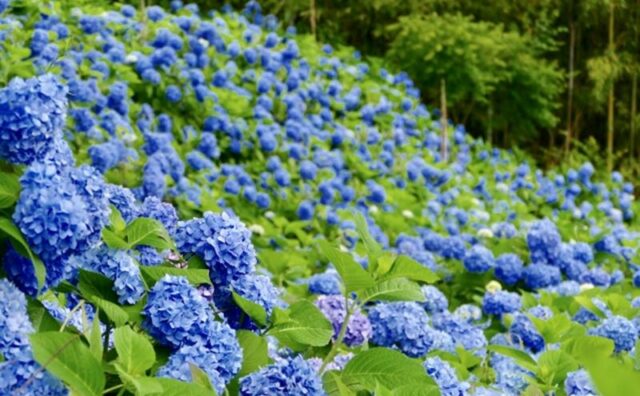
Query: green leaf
135	352
117	222
355	277
397	289
587	303
417	390
9	189
334	386
585	346
97	289
95	338
611	377
255	311
113	240
21	246
520	357
172	387
198	376
142	385
306	325
374	251
65	356
40	317
148	232
554	365
406	267
254	351
195	276
387	367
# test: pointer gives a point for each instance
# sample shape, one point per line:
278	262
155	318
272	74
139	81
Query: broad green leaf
306	325
97	289
585	346
587	303
65	356
117	222
172	387
135	352
21	246
397	289
333	385
387	367
611	377
255	311
194	276
143	385
520	357
553	366
374	251
355	277
417	390
406	267
9	189
254	351
113	240
112	311
95	338
198	376
40	317
148	232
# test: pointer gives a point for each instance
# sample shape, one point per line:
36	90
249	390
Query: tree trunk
572	45
610	106
312	17
632	123
490	126
443	120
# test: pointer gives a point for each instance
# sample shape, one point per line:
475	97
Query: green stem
115	387
70	315
343	331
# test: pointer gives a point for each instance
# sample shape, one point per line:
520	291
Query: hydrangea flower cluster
293	376
335	309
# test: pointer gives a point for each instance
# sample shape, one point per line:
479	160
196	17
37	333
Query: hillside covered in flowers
199	204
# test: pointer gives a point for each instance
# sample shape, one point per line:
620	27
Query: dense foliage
209	204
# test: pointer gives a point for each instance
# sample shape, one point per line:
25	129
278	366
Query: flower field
202	204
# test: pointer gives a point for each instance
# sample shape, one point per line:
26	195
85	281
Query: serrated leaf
66	357
554	365
9	189
254	351
113	240
397	289
8	228
306	325
95	338
417	390
387	367
355	277
406	267
148	232
333	385
40	317
195	276
135	352
520	357
117	222
255	311
374	251
199	377
171	387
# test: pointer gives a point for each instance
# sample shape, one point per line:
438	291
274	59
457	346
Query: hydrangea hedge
211	204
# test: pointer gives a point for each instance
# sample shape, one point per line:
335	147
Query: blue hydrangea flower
508	268
334	308
434	300
524	332
501	302
223	242
462	332
537	276
293	376
124	200
445	376
164	212
544	242
255	288
61	215
166	318
578	383
478	259
219	355
327	283
118	266
402	325
32	115
20	271
15	326
25	376
620	330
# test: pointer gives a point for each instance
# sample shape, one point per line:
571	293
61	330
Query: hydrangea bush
209	204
